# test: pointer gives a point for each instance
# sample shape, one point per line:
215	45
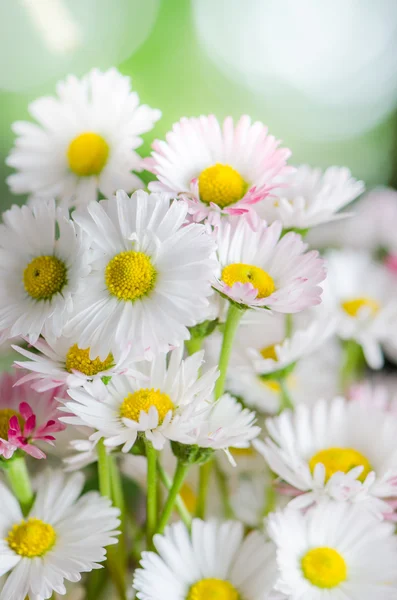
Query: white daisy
334	551
329	450
161	401
62	536
221	169
361	294
61	361
214	561
85	141
150	277
40	271
257	269
309	197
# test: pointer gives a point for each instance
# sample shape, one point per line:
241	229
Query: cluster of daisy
197	379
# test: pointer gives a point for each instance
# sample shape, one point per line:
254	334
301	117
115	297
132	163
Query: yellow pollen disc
44	277
241	273
269	352
142	400
5	416
130	275
212	589
324	567
340	459
189	498
79	360
31	538
87	154
222	185
352	307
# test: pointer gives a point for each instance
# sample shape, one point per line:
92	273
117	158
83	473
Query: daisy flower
257	269
214	561
62	536
61	361
309	197
160	402
26	417
220	169
334	551
40	270
150	278
361	294
329	450
84	142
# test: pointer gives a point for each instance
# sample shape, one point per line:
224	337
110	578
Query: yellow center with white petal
144	399
87	154
130	275
31	538
189	498
242	273
269	352
78	359
353	307
340	459
324	567
5	416
212	589
44	277
222	185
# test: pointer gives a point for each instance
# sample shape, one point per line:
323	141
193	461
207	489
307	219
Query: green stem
179	477
151	498
232	321
353	364
204	478
285	398
179	503
194	344
224	490
118	501
104	470
270	499
19	480
289	325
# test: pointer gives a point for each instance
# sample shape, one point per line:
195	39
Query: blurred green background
322	76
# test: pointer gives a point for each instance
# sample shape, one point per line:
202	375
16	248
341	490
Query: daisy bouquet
197	408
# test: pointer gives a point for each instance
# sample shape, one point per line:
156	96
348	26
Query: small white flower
221	169
331	450
85	141
150	275
214	561
257	269
40	271
62	536
334	551
309	197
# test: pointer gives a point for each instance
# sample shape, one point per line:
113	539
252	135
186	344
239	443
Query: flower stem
270	499
353	364
103	470
204	478
19	480
179	477
151	499
285	398
118	501
179	503
234	315
193	345
289	325
228	512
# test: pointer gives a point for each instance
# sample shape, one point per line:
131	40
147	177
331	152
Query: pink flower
27	417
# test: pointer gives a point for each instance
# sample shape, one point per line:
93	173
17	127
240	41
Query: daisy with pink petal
220	168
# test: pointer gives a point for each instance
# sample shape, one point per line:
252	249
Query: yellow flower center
79	360
31	538
130	275
87	154
269	352
212	589
44	277
241	273
340	459
5	416
142	400
324	567
222	185
189	498
352	307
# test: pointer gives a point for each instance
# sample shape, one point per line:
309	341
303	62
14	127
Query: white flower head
62	536
84	142
215	560
259	270
150	275
41	271
221	169
334	551
309	197
329	451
